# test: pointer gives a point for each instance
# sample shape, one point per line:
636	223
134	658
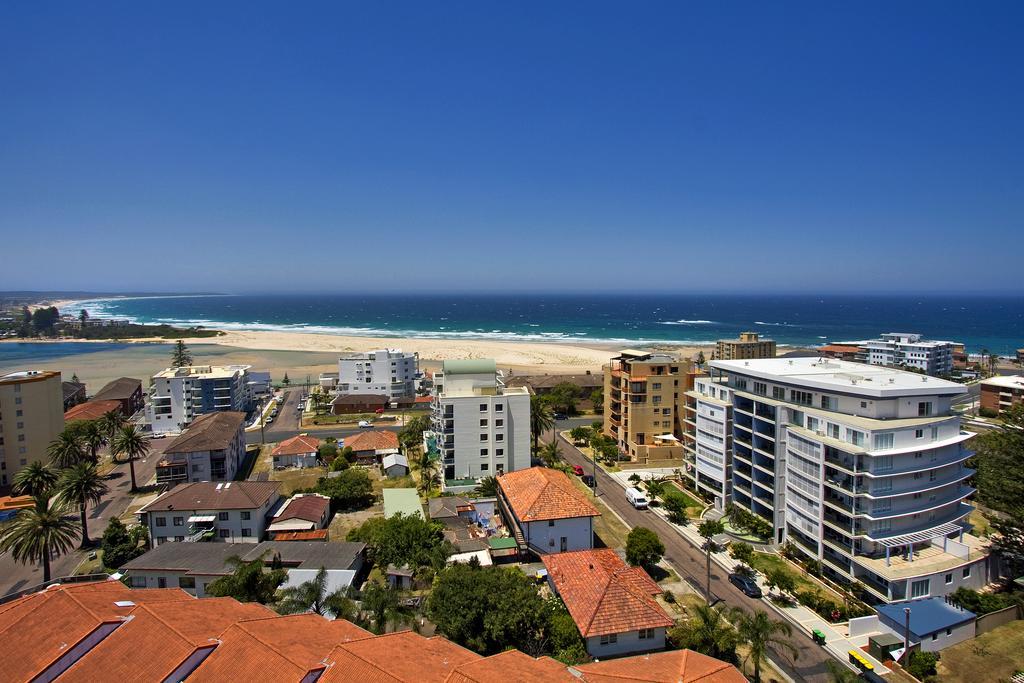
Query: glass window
483	452
225	533
924	408
223	516
178	521
246	532
920	589
186	582
483	422
161	521
967	572
498	407
483	407
246	515
483	437
884	441
949	579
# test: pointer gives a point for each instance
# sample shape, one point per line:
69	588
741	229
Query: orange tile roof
499	669
423	399
376	440
839	348
243	657
312	535
91	410
541	493
604	595
402	656
297	445
16	502
674	666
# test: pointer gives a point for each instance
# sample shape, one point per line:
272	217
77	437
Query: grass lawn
343	522
982	527
693	506
263	461
994	656
767	562
608	527
297	479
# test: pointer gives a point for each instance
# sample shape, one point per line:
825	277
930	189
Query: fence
987	622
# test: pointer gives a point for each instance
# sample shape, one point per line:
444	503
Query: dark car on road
560	416
746	584
588	479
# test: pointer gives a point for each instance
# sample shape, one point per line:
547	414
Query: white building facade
390	372
479	427
906	349
178	395
708	442
861	468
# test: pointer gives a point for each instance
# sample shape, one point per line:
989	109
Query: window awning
666	437
202	518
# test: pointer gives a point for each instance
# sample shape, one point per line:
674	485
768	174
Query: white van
636	498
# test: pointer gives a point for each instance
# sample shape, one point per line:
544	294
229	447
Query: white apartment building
178	395
906	349
479	427
862	468
707	441
389	372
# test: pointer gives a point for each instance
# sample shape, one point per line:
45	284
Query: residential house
546	511
999	394
388	372
404	501
301	512
541	385
74	393
935	623
91	410
850	352
211	449
371	446
179	395
126	390
194	566
611	603
470	525
674	666
352	404
31	417
230	512
299	451
395	465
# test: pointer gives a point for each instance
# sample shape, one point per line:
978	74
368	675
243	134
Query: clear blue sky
304	146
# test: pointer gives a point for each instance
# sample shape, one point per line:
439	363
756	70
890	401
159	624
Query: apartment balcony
837	541
843	502
842	482
920	486
922	464
923	505
842	461
840	521
765	411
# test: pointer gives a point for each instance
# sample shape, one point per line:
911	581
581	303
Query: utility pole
906	633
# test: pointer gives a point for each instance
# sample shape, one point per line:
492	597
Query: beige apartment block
31	416
748	346
644	397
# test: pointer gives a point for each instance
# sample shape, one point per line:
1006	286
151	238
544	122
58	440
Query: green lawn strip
993	656
766	562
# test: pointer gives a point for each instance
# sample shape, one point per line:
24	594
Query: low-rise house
91	410
74	393
470	525
935	624
227	512
611	603
370	447
850	352
395	465
545	511
350	404
999	394
125	390
211	449
404	501
299	451
302	512
194	566
542	385
674	666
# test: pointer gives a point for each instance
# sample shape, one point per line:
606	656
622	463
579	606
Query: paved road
690	562
14	576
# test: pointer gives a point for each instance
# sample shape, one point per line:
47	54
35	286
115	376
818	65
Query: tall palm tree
132	444
112	422
93	436
541	418
38	533
549	454
67	449
312	596
760	632
36	479
81	485
430	476
707	632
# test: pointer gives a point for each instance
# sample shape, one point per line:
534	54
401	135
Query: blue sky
672	146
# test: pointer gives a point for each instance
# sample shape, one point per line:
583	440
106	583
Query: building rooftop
23	376
120	389
359	399
308	506
469	367
497	669
71	388
927	615
603	594
405	501
202	371
927	560
91	410
551	381
541	493
674	666
373	440
208	432
843	376
392	459
839	348
444	507
297	445
210	495
1005	381
211	559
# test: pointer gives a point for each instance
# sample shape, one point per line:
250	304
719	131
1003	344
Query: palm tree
131	443
760	632
708	529
430	477
38	533
36	479
541	418
112	422
67	449
709	633
81	485
488	487
549	454
93	435
384	604
312	596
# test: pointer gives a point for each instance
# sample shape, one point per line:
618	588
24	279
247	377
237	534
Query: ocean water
994	323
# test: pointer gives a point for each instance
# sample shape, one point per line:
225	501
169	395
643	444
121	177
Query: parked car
746	584
636	498
279	400
560	416
577	470
363	424
588	479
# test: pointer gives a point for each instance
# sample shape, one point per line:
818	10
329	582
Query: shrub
988	412
922	664
741	551
643	547
669	597
675	503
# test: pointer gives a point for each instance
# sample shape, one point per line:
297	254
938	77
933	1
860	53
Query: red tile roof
212	495
297	445
402	656
91	410
499	669
839	348
604	595
312	535
376	440
540	493
675	666
423	399
309	506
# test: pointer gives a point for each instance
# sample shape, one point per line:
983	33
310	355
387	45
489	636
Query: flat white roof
1008	381
843	376
203	371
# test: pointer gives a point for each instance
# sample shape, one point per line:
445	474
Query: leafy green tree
133	445
579	435
285	381
44	320
68	449
487	609
411	435
93	435
541	418
119	545
83	316
781	579
707	632
79	486
761	633
700	359
488	487
597	399
403	540
36	479
36	534
327	452
339	463
352	489
549	454
921	665
112	422
562	637
744	552
564	395
839	673
248	582
312	596
643	547
675	503
708	529
999	460
180	356
384	603
430	476
656	487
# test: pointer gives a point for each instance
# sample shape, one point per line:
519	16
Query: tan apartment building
999	394
31	416
644	397
748	346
